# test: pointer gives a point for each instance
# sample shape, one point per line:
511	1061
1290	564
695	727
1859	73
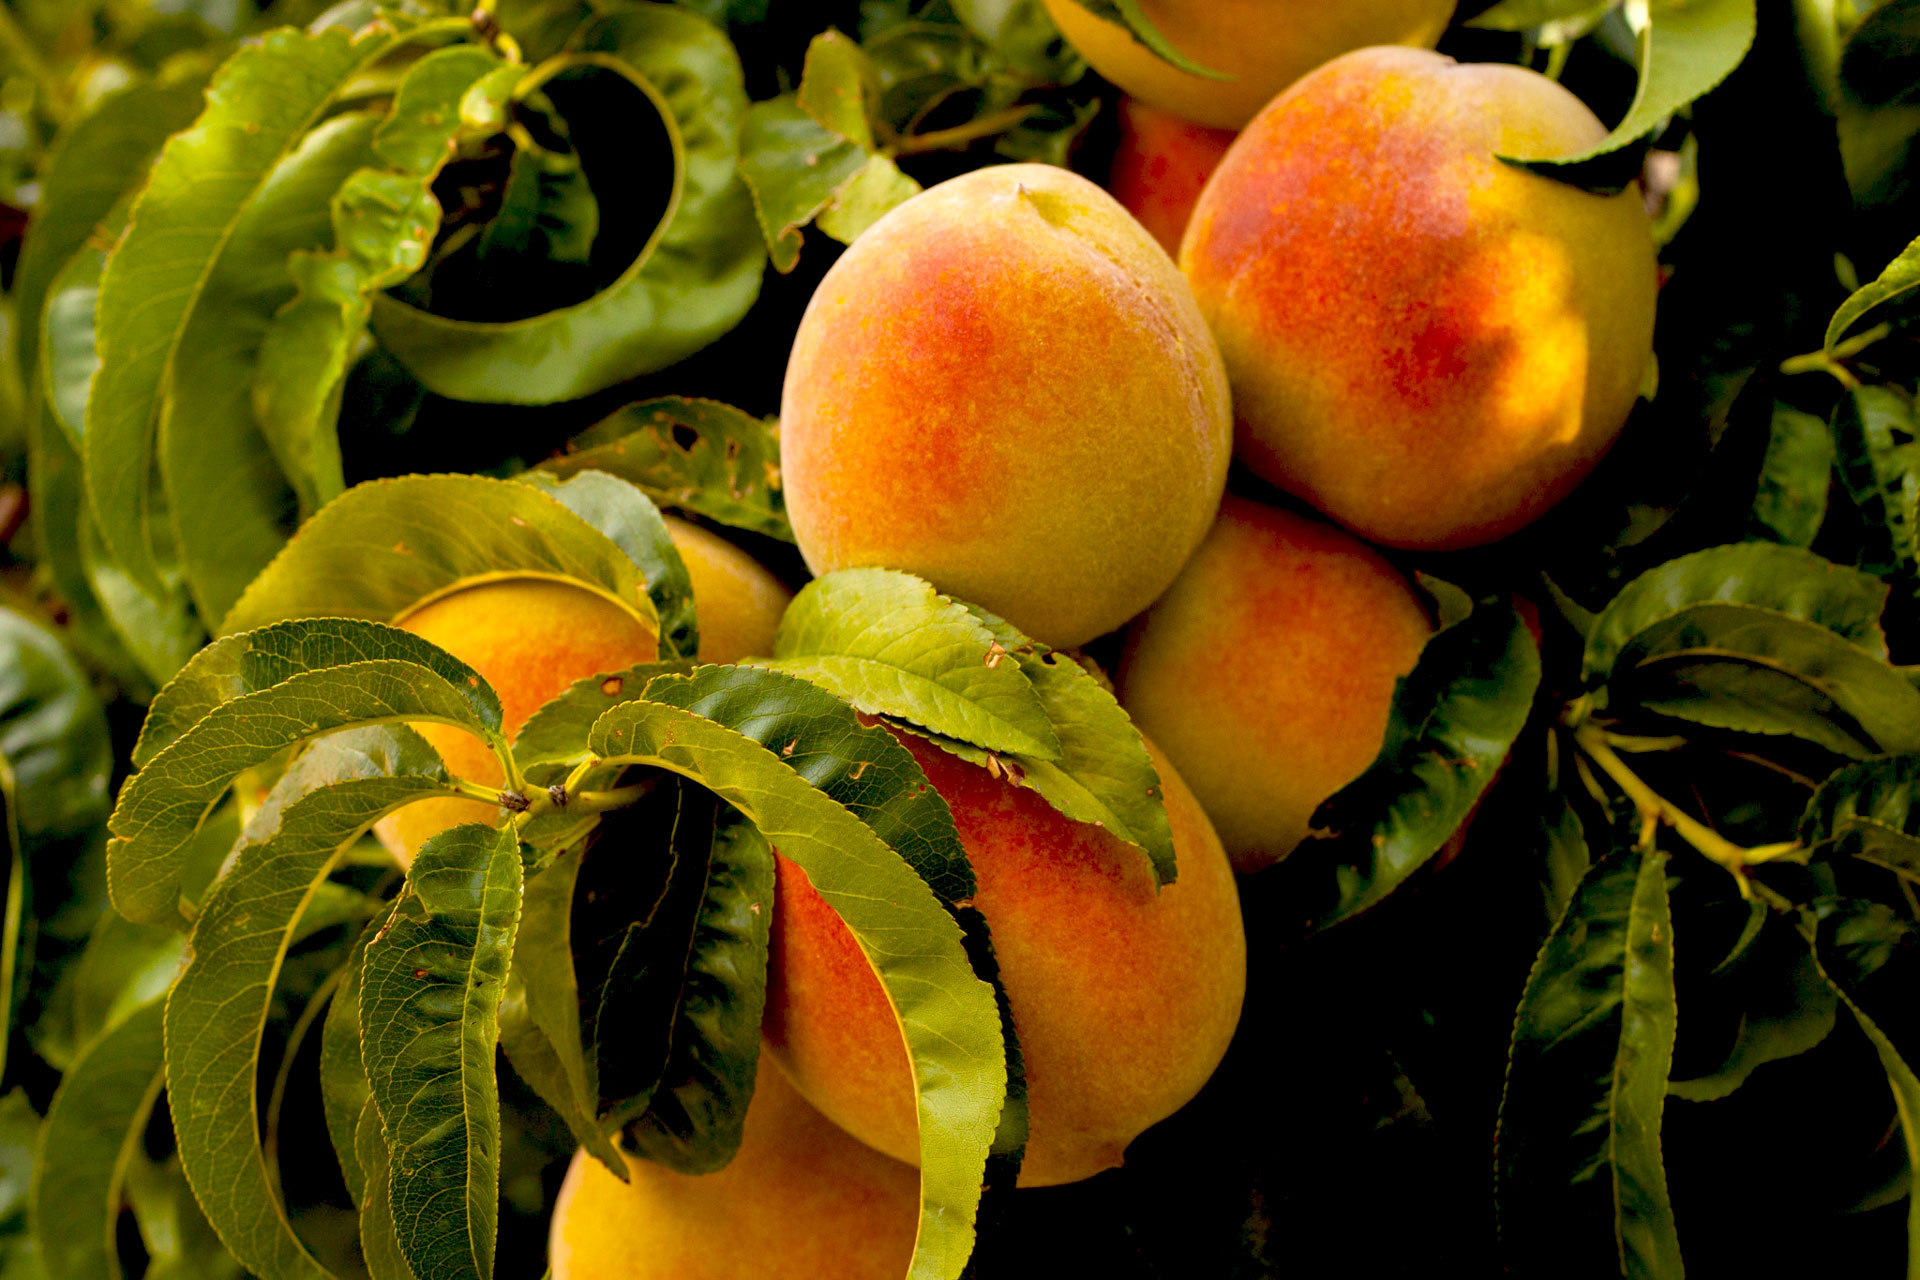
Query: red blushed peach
1004	387
1162	164
1124	999
1266	672
1428	344
1261	45
800	1201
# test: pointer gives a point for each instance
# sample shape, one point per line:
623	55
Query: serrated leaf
695	278
429	1025
947	1015
378	1244
344	1092
1783	579
1587	1079
331	795
698	455
1453	720
1567	857
91	1133
556	734
818	737
694	1119
1791	500
1787	1009
1878	454
627	516
384	219
796	168
1901	276
260	108
1756	671
888	643
1869	810
100	157
384	547
1686	48
163	805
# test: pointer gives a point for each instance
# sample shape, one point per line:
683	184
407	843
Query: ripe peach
1162	164
1429	345
532	637
1124	999
1266	671
1264	45
1004	387
800	1201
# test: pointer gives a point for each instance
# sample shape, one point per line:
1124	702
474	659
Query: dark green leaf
888	643
1902	276
1579	1136
378	1244
1878	448
1869	810
384	547
180	1243
344	1093
1783	579
1454	719
1567	857
694	280
429	1026
91	1133
53	733
947	1016
1788	1008
1791	500
698	455
337	790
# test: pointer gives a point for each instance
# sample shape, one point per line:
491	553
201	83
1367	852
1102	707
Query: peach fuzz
1124	999
1160	167
1266	673
800	1201
532	637
1263	45
1429	345
1004	387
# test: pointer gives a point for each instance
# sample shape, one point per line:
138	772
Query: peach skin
1266	672
1004	387
1262	45
1160	167
1091	957
1429	345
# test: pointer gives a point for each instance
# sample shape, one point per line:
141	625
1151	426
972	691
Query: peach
1263	45
532	637
1124	999
800	1201
1266	672
1162	164
1004	386
1426	343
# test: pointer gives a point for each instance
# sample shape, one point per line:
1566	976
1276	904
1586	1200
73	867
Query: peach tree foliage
270	253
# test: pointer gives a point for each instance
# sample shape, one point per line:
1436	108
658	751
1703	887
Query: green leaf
378	1244
101	157
1686	48
1454	719
207	181
888	643
819	737
429	1025
1878	448
694	1120
180	1243
1783	579
556	734
1523	15
344	1092
694	280
53	733
1788	1009
124	967
163	805
91	1133
540	1025
796	169
330	796
1567	857
1587	1080
947	1016
697	455
384	547
1129	14
1755	671
1869	810
1791	501
384	220
630	520
1104	774
1902	276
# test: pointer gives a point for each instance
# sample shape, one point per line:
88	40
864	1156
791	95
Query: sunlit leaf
1901	276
